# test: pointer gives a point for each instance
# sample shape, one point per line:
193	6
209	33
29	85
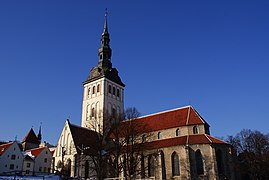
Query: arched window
195	130
142	166
93	90
199	162
86	173
93	112
98	88
159	135
219	162
118	92
163	166
109	88
114	91
177	132
89	91
68	167
143	138
151	166
175	164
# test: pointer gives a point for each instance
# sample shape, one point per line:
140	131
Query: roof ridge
7	143
165	111
188	116
29	150
208	138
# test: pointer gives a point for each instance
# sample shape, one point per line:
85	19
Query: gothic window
142	166
163	166
93	90
98	88
159	135
195	130
219	162
89	91
175	164
151	166
143	138
118	92
177	132
93	112
199	162
114	90
109	88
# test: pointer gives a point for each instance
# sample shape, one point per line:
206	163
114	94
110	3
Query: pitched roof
36	151
83	136
169	119
31	137
184	140
4	147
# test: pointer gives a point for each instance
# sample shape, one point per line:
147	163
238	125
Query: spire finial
105	26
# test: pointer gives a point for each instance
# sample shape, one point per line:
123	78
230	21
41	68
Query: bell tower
103	90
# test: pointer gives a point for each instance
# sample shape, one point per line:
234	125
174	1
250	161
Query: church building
181	137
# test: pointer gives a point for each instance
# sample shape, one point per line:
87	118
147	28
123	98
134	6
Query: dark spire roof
31	137
39	136
104	68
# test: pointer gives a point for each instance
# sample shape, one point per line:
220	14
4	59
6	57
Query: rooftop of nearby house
4	147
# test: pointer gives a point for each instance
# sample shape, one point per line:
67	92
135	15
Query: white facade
101	97
28	166
43	162
11	159
65	151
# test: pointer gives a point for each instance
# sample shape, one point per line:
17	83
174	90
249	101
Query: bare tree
252	154
130	138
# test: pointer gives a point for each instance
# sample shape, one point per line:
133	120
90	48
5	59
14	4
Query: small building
28	165
11	158
42	160
31	141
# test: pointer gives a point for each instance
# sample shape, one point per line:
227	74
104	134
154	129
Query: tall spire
105	50
39	136
105	25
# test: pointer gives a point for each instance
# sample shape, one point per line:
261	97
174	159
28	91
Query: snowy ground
49	177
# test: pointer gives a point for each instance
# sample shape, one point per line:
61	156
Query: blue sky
210	54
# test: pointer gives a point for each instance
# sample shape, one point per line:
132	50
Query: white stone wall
29	168
103	102
43	162
6	161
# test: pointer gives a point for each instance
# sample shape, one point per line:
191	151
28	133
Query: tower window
93	90
118	92
109	88
177	132
159	135
98	88
195	130
114	90
93	112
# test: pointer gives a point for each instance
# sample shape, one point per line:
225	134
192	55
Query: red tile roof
4	147
31	137
184	140
167	119
35	152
